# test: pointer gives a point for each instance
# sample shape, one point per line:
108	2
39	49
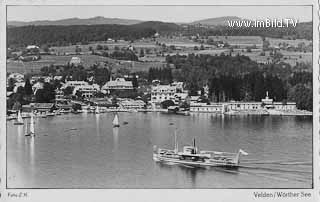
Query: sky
179	14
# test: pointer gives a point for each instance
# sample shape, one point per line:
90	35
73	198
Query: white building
118	84
75	61
132	104
32	47
16	76
266	104
35	87
208	108
17	85
174	92
87	91
74	84
161	93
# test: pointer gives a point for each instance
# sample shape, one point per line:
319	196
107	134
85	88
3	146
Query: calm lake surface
85	151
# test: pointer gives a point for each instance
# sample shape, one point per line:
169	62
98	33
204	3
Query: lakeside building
75	61
39	107
173	91
117	84
17	85
74	84
30	47
131	104
221	107
16	76
35	87
87	91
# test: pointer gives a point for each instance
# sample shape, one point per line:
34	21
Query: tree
79	94
68	90
45	95
302	96
11	83
167	103
76	107
28	87
99	47
78	49
141	53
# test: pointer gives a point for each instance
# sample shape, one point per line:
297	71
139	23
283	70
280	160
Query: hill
58	35
216	21
76	21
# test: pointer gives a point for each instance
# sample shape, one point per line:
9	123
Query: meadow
154	60
87	61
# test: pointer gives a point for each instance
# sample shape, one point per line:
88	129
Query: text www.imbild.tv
287	22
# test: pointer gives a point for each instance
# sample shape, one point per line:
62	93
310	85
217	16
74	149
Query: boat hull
209	163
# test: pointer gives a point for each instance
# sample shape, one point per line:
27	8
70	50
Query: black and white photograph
153	97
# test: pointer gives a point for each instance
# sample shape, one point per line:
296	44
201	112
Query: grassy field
87	61
241	41
152	60
276	41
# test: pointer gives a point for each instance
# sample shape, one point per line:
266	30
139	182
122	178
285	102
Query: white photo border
141	195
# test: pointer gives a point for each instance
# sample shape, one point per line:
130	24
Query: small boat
19	119
50	114
193	156
115	121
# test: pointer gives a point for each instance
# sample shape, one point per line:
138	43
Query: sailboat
19	119
97	110
31	131
115	121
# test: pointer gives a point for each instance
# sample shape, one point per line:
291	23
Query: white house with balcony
16	76
86	91
74	84
75	61
117	84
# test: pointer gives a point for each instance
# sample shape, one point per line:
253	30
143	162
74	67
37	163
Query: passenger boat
193	156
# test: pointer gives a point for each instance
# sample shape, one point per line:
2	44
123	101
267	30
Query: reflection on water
97	117
86	151
115	132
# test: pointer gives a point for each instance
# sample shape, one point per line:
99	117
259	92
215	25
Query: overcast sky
160	13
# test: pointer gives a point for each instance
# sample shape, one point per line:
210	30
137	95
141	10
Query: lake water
85	151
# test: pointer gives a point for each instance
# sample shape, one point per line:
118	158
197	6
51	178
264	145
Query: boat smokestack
194	145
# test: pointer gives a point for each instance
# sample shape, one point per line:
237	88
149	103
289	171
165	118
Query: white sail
97	110
32	125
19	119
115	121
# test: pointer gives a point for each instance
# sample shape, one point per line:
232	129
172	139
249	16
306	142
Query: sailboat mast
175	142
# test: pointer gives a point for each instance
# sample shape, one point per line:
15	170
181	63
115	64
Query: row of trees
238	78
64	35
162	74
